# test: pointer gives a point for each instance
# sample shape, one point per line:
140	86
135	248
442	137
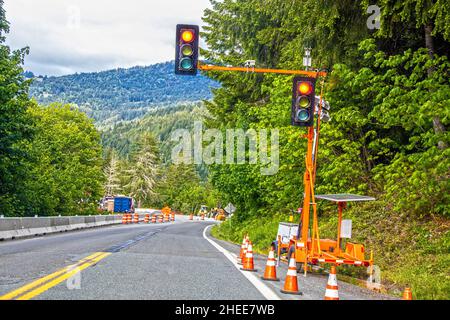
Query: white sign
346	229
230	208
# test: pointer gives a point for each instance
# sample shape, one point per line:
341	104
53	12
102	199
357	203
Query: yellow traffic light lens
186	64
187	50
303	115
304	102
305	88
187	36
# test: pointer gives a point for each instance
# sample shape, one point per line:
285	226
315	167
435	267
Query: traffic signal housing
303	102
186	46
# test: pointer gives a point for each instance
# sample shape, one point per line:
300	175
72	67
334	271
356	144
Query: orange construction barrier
407	294
136	218
173	217
147	218
291	283
271	271
332	287
153	218
166	218
161	219
129	218
248	262
124	219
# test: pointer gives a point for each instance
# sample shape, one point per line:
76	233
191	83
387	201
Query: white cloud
67	36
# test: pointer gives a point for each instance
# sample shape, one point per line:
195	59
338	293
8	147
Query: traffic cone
124	219
248	261
147	218
271	271
291	284
136	218
332	287
161	219
129	218
153	218
407	294
241	252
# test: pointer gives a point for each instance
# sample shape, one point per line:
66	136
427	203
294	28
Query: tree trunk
437	124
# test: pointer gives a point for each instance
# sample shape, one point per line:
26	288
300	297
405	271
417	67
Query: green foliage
65	176
15	123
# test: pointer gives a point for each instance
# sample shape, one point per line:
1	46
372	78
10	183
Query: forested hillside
390	106
123	94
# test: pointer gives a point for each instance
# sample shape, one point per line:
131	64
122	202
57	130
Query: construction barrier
136	218
129	219
147	218
161	219
124	219
153	218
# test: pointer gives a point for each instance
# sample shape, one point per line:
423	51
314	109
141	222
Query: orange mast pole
313	74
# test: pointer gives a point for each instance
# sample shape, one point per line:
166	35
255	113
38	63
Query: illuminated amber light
305	88
187	36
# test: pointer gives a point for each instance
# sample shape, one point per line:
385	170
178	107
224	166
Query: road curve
167	261
162	261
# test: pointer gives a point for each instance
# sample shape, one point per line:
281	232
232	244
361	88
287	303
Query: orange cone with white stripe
136	218
241	252
129	218
248	262
291	283
332	287
407	294
270	273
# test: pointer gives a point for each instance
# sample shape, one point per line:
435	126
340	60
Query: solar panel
344	197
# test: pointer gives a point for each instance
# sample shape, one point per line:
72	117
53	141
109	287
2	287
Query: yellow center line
72	269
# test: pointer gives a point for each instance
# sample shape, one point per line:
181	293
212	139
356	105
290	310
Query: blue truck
123	205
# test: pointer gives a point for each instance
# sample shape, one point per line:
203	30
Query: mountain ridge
123	94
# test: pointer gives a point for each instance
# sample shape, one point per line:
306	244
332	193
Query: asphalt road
145	261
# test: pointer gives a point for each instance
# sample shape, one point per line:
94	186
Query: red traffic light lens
305	88
187	36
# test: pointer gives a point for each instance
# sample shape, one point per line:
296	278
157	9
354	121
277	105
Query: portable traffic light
186	46
303	102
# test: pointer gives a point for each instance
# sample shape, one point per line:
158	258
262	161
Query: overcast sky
68	36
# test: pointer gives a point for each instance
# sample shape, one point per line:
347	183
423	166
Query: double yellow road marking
41	285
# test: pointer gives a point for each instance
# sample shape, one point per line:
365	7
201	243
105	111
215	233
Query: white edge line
259	285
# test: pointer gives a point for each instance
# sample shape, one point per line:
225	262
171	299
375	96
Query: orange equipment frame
311	250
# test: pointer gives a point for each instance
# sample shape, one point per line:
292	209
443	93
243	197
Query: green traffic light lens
186	64
304	102
187	50
303	115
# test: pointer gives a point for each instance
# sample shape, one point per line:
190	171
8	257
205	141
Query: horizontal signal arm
313	74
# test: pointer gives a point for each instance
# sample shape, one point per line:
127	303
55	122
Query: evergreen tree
15	123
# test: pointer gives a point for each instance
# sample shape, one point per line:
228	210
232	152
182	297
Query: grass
410	252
